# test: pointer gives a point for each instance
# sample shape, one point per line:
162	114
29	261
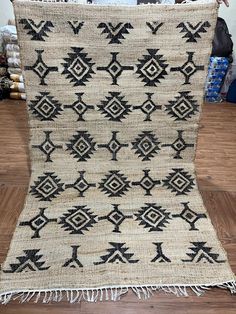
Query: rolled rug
12	47
16	78
11	70
12	54
18	87
14	62
16	95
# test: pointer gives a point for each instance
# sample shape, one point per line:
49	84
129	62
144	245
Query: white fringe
107	293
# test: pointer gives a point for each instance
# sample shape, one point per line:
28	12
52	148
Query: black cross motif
160	256
188	68
73	262
148	107
81	185
79	107
47	146
116	217
38	222
40	68
147	183
189	216
114	68
178	145
113	145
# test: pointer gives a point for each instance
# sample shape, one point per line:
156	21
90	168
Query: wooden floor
216	172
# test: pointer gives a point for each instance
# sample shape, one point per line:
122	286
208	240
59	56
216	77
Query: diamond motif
183	107
146	145
115	108
47	187
114	184
113	145
40	68
148	107
152	68
114	68
153	217
179	181
178	145
189	216
79	107
45	107
81	185
47	146
78	67
188	68
147	183
38	222
78	219
115	32
81	146
116	217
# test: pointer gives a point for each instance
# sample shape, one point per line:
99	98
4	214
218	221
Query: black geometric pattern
152	68
160	256
154	26
45	107
116	217
115	32
81	185
179	181
188	68
114	184
147	183
47	187
190	216
78	67
47	146
113	145
76	26
192	32
146	145
117	254
40	68
79	107
148	107
73	262
202	253
178	145
115	108
37	30
153	217
30	261
114	68
183	107
78	219
81	146
38	222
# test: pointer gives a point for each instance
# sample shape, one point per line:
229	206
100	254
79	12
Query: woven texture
114	96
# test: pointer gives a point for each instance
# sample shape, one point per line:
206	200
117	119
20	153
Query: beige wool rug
114	95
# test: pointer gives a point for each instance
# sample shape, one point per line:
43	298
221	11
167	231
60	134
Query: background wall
6	11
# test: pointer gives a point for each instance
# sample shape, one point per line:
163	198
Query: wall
6	11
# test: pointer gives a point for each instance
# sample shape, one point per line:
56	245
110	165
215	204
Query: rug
114	95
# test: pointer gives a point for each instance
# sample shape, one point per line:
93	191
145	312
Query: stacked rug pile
15	85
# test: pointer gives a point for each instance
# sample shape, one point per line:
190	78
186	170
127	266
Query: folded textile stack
9	35
4	90
17	87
